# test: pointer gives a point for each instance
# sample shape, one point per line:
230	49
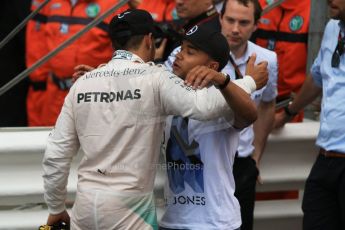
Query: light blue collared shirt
332	81
266	94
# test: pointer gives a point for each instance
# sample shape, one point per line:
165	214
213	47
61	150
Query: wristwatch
226	82
288	112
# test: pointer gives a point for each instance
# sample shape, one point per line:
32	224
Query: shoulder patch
296	23
92	10
269	2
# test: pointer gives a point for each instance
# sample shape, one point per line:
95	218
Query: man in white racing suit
116	115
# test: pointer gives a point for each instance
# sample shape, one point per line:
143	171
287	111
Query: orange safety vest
161	10
35	50
93	48
285	31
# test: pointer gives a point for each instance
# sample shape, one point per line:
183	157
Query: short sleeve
270	92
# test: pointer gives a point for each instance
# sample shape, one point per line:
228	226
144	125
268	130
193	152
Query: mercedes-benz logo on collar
192	31
122	15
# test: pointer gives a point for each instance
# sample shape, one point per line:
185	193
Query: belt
331	153
62	83
38	85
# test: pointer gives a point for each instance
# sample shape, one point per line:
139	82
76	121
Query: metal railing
92	24
22	24
44	59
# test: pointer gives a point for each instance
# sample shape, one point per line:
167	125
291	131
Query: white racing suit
116	115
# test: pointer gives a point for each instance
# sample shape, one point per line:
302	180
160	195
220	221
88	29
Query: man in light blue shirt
238	19
324	196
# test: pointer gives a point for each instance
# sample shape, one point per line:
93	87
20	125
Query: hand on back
80	70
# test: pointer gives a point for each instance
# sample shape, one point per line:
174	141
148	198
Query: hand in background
80	70
160	50
258	72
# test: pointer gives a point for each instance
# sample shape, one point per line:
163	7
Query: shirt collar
244	58
126	55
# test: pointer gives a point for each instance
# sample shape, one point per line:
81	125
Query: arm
257	72
266	110
62	145
208	103
262	127
309	92
244	108
176	98
236	93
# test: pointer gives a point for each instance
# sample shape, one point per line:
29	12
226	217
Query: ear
149	41
213	65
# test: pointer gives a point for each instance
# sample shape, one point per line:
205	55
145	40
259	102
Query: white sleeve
178	99
62	145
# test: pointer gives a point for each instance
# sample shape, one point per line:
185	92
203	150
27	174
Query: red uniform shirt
161	10
285	31
35	49
63	21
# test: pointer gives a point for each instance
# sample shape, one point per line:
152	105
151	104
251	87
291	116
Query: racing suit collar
126	55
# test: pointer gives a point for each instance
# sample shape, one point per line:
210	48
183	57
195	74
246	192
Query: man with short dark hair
193	12
239	20
114	113
200	154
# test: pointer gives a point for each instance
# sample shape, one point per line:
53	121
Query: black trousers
324	195
245	174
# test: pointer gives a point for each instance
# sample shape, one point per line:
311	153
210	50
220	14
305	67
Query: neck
143	53
240	51
138	53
